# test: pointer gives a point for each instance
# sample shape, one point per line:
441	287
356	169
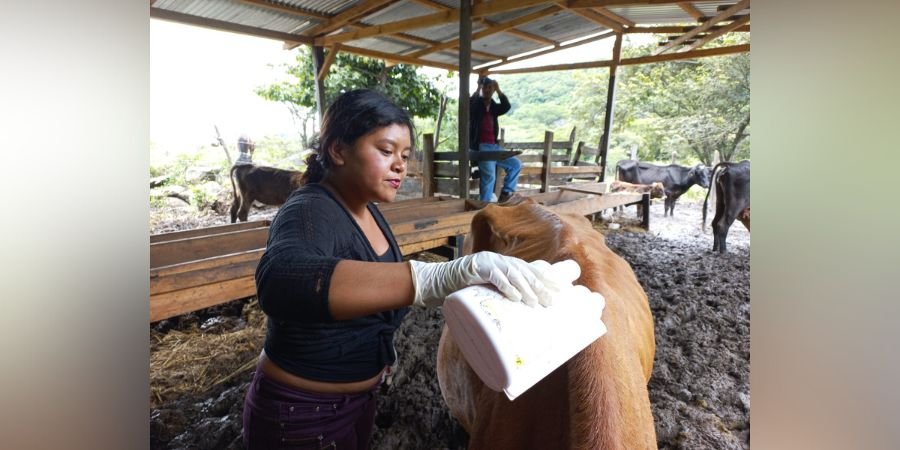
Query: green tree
402	83
691	107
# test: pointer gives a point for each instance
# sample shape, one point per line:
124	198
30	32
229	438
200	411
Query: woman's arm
361	288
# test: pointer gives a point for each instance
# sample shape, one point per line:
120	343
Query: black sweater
310	234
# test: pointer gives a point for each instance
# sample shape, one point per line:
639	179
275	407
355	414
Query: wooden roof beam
725	29
607	3
428	20
594	17
172	16
692	10
723	8
613	16
739	6
516	58
500	27
329	59
348	15
666	29
743	48
396	58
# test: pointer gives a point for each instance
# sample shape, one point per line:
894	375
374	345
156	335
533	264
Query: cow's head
700	174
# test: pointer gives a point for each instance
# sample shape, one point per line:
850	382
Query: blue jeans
488	170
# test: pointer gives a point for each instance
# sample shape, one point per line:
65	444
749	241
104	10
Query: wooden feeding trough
195	269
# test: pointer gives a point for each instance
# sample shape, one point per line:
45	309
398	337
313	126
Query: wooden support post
674	154
465	67
318	56
545	160
645	205
571	148
428	165
610	102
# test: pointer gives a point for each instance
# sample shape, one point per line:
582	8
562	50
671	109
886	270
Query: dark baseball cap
486	80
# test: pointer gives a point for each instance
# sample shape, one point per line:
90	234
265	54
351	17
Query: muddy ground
699	390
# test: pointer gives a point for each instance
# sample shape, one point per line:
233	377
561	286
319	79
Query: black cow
732	182
266	185
675	179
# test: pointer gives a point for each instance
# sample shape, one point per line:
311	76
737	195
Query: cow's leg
727	219
235	205
246	203
718	221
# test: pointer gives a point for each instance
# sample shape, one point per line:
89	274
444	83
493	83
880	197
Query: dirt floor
201	363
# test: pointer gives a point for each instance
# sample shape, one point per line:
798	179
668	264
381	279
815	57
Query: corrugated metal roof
269	18
562	26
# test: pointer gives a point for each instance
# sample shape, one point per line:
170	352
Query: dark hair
351	116
486	81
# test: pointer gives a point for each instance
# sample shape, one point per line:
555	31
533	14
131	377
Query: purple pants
277	416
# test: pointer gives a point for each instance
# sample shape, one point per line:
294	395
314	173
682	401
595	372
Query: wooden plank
548	148
421	246
215	229
587	188
728	50
204	276
538	158
592	204
428	20
446	169
559	170
190	249
725	29
428	165
221	25
494	29
596	18
329	59
346	16
207	263
737	7
426	211
692	10
180	302
557	145
414	227
451	185
615	17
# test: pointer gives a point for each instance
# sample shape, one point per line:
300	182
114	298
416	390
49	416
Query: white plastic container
512	346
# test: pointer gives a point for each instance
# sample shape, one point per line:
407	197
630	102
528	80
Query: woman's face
376	165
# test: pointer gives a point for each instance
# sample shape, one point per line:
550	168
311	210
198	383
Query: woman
334	287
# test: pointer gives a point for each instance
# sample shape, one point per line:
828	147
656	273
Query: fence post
428	184
674	153
545	168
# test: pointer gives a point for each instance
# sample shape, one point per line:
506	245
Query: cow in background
267	185
732	182
599	398
676	179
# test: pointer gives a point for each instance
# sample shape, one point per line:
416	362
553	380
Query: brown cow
267	185
599	398
656	190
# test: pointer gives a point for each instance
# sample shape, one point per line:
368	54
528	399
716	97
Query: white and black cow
675	179
732	182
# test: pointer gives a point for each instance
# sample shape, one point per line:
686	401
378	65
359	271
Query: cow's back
269	185
599	398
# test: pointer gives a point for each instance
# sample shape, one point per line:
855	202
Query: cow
676	179
732	182
596	400
656	190
267	185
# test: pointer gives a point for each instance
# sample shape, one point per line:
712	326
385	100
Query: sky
202	78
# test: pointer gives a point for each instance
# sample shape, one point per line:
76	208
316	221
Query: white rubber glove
515	278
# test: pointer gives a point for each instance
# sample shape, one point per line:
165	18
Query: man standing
483	131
